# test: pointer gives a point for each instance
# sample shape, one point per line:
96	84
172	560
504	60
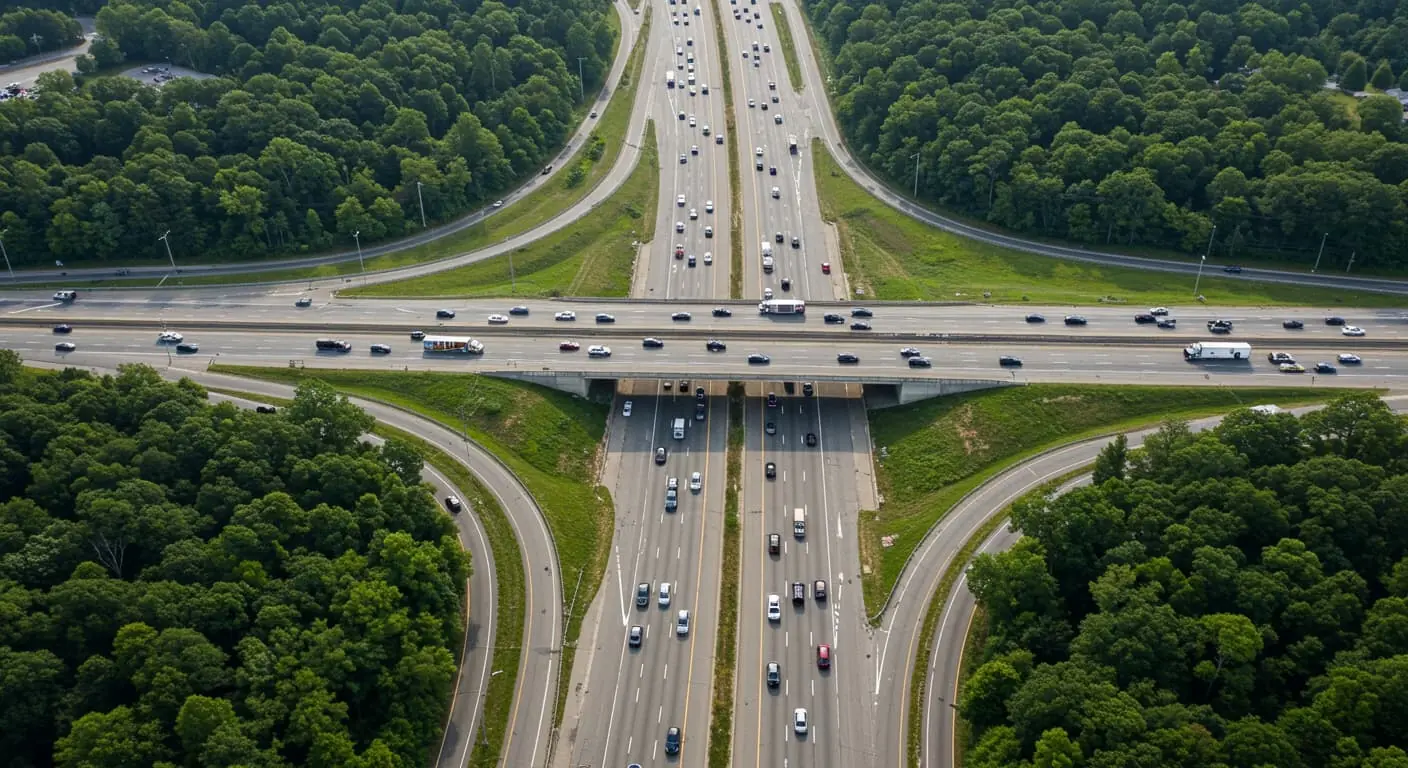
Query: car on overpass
1352	330
847	358
498	319
681	317
187	348
166	337
722	312
1076	320
1292	325
519	310
714	345
860	325
599	351
568	346
650	342
920	362
63	328
565	316
1348	359
1036	318
862	312
1326	368
833	319
377	349
445	314
417	335
1008	361
758	359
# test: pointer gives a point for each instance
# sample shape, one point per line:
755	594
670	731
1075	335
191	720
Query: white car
566	315
679	201
1349	359
696	482
664	599
169	337
1158	311
679	226
626	409
598	351
498	319
708	258
767	293
693	214
758	151
691	121
774	608
1352	330
799	721
776	193
498	203
708	206
682	623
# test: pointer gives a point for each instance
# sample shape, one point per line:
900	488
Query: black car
811	439
723	312
860	325
777	236
846	357
1334	320
518	311
265	409
757	359
681	317
699	394
786	283
642	595
684	385
635	636
381	349
920	362
672	740
862	312
605	318
770	428
772	399
453	503
1075	320
772	169
650	342
1035	318
808	389
1325	368
714	345
1232	270
799	592
1145	317
1008	360
819	589
796	242
833	319
770	469
445	314
1292	325
774	674
417	335
64	328
660	455
187	347
1220	326
304	302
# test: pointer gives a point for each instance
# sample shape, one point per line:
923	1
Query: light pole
581	82
1352	254
915	158
7	253
513	280
357	238
1321	253
421	200
1204	260
166	240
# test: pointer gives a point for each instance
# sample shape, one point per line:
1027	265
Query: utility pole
1321	253
166	240
357	238
7	253
513	281
1203	261
915	158
1352	254
581	82
421	200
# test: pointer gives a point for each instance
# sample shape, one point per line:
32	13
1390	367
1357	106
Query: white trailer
678	429
1217	350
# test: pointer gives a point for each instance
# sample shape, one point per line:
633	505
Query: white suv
599	351
682	623
774	608
799	721
696	481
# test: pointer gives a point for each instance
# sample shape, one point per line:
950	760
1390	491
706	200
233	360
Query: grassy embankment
524	214
508	576
551	441
735	178
593	256
726	648
789	48
939	450
894	257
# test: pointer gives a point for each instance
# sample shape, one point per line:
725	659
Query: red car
679	251
569	346
825	267
823	657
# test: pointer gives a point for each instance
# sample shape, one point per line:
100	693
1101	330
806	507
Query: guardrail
777	333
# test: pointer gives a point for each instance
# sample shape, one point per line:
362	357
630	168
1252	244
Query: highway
921	577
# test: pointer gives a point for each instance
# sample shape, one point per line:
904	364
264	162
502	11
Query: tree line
193	585
1231	599
322	120
27	31
1139	123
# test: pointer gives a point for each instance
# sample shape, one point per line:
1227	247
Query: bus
460	344
670	79
782	307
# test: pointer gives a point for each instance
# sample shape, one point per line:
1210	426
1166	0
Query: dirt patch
1063	399
972	441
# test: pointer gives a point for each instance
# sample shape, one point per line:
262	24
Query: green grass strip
508	573
726	649
892	256
735	178
593	256
789	49
938	451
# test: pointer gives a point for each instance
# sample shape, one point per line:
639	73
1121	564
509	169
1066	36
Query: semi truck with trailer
1217	350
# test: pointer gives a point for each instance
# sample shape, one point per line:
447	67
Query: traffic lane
789	360
750	694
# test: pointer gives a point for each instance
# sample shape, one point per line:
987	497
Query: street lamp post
357	238
166	240
915	158
9	268
1204	260
1321	253
421	200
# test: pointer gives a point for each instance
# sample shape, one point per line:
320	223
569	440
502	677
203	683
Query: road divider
735	178
726	649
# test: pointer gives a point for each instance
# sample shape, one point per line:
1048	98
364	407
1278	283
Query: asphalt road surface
921	578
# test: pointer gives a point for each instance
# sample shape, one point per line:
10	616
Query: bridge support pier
915	390
572	384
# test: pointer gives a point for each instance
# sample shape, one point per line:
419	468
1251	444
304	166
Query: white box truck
1217	350
799	522
679	429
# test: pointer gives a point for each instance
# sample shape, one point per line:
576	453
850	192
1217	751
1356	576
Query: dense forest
192	585
27	31
323	119
1145	122
1232	599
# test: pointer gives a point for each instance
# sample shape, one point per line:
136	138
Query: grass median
593	256
894	257
789	48
726	648
550	440
936	451
508	576
735	178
